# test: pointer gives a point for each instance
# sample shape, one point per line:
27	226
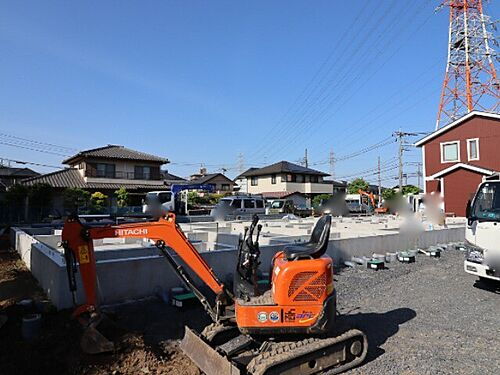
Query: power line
327	107
38	142
31	163
306	126
303	93
33	149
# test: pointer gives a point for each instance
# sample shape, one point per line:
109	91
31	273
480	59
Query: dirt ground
147	343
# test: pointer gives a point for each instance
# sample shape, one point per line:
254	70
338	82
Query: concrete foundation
133	269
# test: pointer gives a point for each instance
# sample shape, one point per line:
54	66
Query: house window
105	170
142	172
255	181
273	179
473	149
313	179
291	178
226	187
450	152
300	178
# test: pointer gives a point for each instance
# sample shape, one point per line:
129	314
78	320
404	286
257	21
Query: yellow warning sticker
83	252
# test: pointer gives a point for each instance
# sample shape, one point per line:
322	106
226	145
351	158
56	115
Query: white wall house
285	177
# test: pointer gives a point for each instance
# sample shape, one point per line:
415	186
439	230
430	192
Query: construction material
375	264
391	257
406	257
433	252
31	326
380	257
3	320
359	261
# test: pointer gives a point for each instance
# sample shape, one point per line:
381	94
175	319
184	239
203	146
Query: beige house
106	169
286	177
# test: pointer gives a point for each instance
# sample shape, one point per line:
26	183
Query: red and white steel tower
470	81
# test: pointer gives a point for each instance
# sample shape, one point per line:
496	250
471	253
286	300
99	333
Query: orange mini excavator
287	329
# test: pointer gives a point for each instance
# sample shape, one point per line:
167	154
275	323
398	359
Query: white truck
482	233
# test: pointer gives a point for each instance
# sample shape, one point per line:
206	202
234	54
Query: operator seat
316	246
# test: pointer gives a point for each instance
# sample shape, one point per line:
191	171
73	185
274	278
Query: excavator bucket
205	357
94	342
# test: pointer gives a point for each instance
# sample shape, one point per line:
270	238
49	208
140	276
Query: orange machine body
297	299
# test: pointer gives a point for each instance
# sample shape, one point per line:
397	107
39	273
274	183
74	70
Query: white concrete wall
129	274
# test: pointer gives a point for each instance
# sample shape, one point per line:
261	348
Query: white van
239	205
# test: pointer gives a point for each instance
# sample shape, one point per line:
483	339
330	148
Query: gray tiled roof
282	167
71	178
206	178
115	152
171	177
17	172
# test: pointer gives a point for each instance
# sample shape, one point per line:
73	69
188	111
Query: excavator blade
205	357
94	342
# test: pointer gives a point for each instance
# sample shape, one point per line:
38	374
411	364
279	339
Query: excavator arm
77	240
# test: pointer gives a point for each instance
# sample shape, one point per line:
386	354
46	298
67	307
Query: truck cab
158	203
482	233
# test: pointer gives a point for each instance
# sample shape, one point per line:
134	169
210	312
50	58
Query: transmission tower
331	162
470	82
241	163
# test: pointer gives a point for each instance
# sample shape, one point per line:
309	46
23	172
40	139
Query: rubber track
213	329
282	352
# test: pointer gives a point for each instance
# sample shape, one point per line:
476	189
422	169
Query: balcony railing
122	175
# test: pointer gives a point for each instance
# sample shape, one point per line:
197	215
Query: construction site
389	263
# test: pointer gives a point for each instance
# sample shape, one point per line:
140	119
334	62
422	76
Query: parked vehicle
238	205
287	206
280	206
158	203
356	207
482	232
302	210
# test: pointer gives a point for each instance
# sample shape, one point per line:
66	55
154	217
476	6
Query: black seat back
320	235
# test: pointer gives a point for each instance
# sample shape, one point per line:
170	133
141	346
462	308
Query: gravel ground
424	318
429	317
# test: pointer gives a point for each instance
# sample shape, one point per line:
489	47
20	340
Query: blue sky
202	81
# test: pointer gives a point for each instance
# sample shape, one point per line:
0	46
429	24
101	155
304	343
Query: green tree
98	201
320	198
410	189
388	194
122	197
357	184
40	196
75	199
15	198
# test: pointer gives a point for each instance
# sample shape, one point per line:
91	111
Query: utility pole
306	162
419	175
331	161
379	184
400	135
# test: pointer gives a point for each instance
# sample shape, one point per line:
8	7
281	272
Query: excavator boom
77	240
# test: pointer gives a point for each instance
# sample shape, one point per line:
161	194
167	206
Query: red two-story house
458	155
